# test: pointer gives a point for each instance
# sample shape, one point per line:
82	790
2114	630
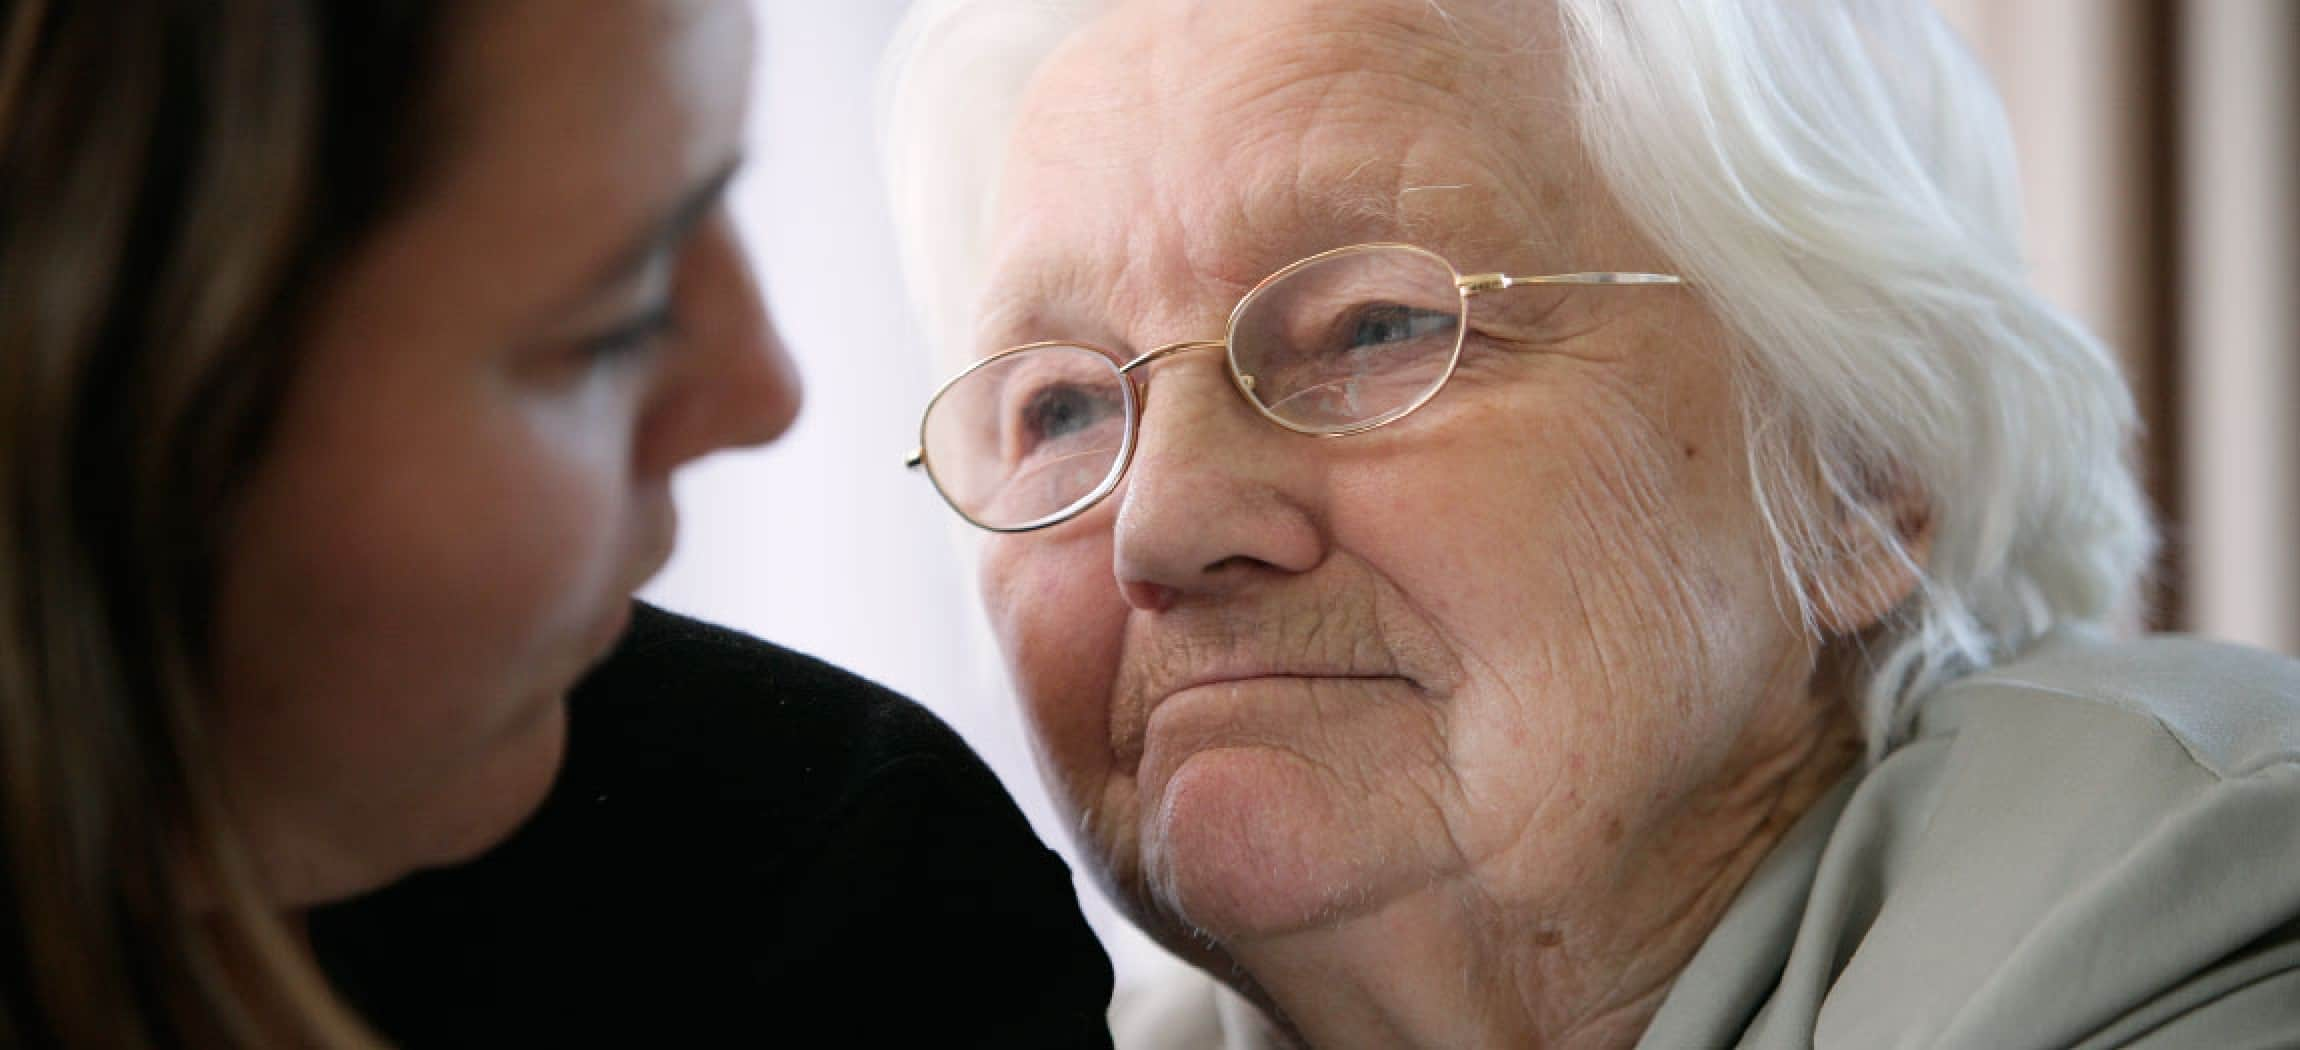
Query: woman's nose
1217	499
733	383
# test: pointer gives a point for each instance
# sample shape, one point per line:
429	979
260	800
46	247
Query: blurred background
2160	150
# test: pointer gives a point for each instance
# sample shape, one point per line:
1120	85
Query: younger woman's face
472	472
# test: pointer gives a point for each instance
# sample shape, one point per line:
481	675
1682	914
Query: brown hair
176	178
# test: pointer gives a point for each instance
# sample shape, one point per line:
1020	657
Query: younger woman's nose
731	383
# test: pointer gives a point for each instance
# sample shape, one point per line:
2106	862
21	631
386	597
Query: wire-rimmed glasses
1336	344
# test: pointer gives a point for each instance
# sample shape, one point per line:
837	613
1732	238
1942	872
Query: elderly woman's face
1486	655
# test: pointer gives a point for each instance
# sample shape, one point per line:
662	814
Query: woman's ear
1880	538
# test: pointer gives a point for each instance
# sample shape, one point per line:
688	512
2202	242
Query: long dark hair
176	180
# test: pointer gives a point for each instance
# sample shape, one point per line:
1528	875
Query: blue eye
1387	324
1056	412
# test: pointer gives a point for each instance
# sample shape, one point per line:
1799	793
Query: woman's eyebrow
670	226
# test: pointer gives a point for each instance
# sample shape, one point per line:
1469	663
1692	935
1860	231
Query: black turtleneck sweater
745	847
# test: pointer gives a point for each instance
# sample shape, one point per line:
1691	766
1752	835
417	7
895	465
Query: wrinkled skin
1459	732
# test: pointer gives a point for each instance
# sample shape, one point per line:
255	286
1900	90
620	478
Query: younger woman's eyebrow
670	226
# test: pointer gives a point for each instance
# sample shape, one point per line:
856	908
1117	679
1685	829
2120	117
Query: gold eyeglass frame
1467	286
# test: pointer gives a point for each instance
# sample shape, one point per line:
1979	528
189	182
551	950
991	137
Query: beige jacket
2096	845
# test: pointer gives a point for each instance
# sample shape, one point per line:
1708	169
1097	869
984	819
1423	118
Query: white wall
823	542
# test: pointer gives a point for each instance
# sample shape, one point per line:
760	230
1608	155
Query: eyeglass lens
1028	435
1337	343
1349	340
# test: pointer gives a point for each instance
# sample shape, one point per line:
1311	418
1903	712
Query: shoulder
689	701
743	835
2235	710
744	706
2094	833
844	841
707	742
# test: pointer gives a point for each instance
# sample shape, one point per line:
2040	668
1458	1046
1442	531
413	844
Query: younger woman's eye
629	338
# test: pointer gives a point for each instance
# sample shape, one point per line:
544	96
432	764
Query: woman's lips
1340	630
610	629
1284	712
1240	681
654	553
660	539
1218	699
1249	676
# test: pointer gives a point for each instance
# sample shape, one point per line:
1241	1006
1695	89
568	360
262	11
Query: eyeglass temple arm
1477	283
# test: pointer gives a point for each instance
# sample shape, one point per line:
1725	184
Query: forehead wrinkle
1144	261
1483	118
1058	291
1453	205
1217	67
1482	227
1316	184
1229	157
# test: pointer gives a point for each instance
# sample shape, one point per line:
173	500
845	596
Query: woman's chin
510	786
1249	843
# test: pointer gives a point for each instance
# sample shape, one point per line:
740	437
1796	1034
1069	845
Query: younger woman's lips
654	554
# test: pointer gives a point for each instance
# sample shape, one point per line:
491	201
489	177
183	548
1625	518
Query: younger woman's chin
509	787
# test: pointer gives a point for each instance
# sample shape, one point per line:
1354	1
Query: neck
1451	965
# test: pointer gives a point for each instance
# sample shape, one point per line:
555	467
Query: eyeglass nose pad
1169	350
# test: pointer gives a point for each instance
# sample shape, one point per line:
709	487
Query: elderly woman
1563	524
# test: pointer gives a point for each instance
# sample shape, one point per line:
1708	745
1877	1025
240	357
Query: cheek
1060	621
408	596
486	575
1580	535
471	556
1607	597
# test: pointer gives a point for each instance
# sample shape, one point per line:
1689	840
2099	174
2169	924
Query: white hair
1835	178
